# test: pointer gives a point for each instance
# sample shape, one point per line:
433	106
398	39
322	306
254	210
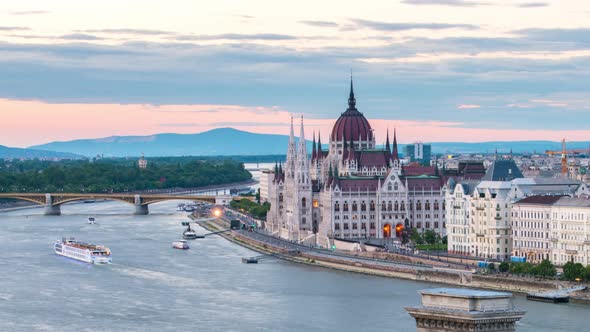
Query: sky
436	70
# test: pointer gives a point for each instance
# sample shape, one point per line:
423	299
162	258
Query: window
418	205
303	202
364	226
372	206
345	226
383	207
419	224
389	206
396	206
354	226
372	225
336	206
345	206
403	206
363	206
280	197
436	205
337	226
354	206
303	220
427	205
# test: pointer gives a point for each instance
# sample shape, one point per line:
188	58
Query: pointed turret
387	147
291	152
351	99
313	150
395	154
319	150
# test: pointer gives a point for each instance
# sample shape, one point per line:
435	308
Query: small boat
91	220
89	201
189	234
180	244
81	251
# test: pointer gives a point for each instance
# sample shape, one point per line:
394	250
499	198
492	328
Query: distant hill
17	153
221	141
229	141
505	146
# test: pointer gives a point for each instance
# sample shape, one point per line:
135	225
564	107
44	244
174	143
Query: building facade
484	219
552	227
352	189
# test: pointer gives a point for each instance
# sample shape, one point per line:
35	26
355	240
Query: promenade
261	242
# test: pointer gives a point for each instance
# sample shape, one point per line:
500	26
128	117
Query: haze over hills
229	141
16	153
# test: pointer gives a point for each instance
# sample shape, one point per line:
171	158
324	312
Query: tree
504	267
545	269
491	267
573	271
416	237
430	236
258	196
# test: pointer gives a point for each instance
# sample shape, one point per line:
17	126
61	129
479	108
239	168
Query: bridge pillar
50	208
140	209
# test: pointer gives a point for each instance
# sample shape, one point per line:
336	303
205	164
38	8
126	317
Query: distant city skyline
443	70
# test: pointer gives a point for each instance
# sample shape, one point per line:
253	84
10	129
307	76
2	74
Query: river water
152	287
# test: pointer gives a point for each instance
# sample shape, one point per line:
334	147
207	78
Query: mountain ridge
230	141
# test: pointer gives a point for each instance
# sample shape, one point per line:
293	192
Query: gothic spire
387	147
319	150
395	153
313	151
351	100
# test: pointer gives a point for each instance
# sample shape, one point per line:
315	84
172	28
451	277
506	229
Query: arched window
303	202
418	205
383	206
345	208
436	205
389	206
427	205
363	206
281	197
337	206
372	206
403	206
354	206
396	206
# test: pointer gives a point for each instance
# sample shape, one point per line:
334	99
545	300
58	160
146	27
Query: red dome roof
351	123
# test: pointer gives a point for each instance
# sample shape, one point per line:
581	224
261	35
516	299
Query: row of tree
117	175
576	272
251	208
545	269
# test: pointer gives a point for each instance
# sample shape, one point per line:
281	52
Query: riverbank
375	267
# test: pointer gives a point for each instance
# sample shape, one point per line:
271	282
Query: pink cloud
468	106
32	122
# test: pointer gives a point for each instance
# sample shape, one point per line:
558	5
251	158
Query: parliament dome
351	124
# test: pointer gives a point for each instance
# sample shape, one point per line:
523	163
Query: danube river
152	287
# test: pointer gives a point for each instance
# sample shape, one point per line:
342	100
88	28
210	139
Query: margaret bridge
53	202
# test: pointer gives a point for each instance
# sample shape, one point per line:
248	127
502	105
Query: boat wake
159	276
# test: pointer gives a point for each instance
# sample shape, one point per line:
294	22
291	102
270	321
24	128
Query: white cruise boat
81	251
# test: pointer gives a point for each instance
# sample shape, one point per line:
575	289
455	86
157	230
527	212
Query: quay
326	258
556	296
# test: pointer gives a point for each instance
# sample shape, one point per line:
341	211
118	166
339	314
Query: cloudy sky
446	70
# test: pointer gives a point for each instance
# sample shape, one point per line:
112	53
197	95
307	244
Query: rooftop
465	292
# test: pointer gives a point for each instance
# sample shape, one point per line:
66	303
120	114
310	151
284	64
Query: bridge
53	202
